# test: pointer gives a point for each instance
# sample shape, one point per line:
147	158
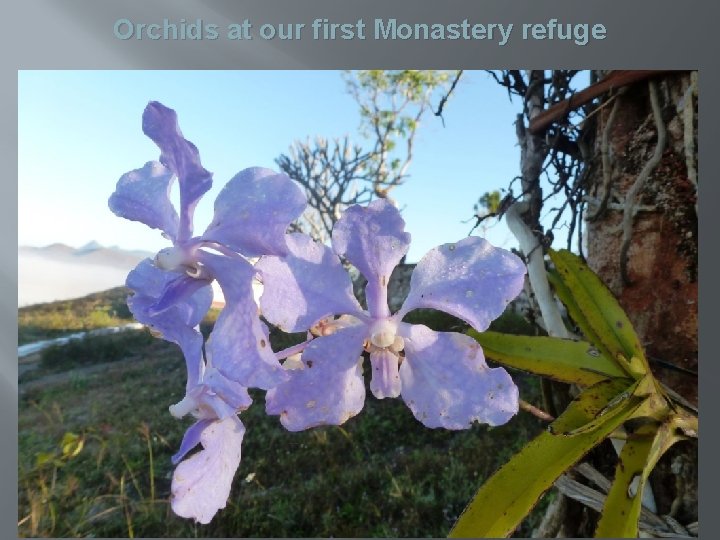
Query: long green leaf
509	495
596	310
637	459
594	405
573	362
566	297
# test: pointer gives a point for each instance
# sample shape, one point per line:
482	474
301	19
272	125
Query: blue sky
79	131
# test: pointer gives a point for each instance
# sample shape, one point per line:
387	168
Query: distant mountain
90	253
92	245
60	272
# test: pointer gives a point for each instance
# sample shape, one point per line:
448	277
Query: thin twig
535	411
447	96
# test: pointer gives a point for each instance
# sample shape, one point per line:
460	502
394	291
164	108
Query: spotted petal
447	384
329	389
307	285
144	195
470	279
239	345
372	238
201	484
253	212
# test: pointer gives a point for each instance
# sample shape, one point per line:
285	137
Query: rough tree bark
640	185
644	244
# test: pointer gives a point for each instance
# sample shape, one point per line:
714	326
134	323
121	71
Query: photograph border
78	34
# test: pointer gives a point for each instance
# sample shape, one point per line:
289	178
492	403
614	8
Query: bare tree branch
333	174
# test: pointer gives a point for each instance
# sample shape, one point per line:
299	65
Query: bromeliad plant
442	377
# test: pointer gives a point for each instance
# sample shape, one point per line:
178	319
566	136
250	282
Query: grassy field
95	447
99	310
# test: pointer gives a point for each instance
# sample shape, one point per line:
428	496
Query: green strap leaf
509	495
573	362
596	311
597	405
568	300
638	458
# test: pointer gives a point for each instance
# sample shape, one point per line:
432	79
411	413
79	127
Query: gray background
78	34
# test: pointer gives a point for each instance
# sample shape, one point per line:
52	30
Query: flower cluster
441	376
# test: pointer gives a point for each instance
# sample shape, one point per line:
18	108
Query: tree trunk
644	244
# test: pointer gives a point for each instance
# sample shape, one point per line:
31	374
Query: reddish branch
613	80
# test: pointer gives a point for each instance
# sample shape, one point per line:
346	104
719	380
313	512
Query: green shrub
94	350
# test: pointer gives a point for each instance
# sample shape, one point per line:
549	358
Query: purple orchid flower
441	376
172	293
201	484
252	213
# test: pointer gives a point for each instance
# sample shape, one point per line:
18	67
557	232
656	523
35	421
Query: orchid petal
304	287
385	380
253	212
470	279
143	195
339	350
177	291
177	322
447	384
329	389
181	157
191	342
234	395
191	439
239	345
372	238
201	484
168	326
191	300
317	397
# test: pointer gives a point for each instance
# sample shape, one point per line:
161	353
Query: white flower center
293	362
170	258
383	335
